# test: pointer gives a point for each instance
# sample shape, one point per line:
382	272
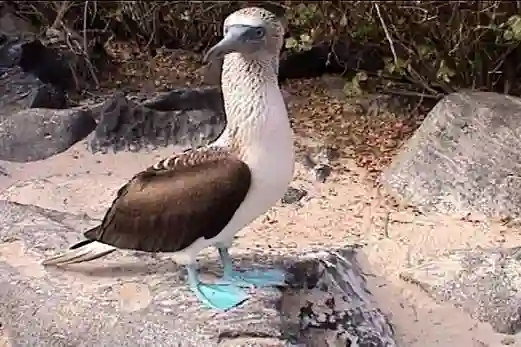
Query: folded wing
169	206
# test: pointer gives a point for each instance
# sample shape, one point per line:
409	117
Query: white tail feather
90	251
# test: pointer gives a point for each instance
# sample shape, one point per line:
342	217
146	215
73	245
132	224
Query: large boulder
134	299
463	159
34	120
37	133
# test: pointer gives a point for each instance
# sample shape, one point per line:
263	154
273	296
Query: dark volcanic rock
293	195
182	117
35	134
486	283
47	56
129	300
48	64
21	86
10	51
49	96
207	97
330	304
19	90
34	124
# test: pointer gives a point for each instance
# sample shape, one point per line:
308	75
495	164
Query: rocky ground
398	248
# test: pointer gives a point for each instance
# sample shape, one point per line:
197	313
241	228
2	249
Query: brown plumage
182	198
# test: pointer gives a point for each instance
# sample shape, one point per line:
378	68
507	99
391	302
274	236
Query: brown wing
170	205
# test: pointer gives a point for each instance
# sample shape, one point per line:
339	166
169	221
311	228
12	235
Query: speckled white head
252	31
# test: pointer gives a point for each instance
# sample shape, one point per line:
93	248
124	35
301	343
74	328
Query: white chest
258	123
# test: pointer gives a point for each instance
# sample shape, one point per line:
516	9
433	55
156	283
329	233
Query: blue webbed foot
252	277
255	277
218	296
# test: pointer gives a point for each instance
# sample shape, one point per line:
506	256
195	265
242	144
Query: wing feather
167	207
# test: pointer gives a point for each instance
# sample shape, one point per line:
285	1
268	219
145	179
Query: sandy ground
342	211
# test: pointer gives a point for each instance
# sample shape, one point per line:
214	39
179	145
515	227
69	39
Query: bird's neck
254	106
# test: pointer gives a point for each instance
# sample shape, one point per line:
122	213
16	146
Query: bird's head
251	31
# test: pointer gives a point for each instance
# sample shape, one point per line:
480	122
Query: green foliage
428	48
512	29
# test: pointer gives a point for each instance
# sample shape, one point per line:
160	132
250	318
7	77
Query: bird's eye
259	32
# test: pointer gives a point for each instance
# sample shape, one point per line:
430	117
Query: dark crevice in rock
47	64
232	335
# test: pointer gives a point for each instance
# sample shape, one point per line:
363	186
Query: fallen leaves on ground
139	71
369	129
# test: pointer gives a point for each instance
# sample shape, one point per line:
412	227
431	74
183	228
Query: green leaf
444	72
291	43
513	28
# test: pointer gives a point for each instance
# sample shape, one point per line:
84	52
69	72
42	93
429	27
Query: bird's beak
233	41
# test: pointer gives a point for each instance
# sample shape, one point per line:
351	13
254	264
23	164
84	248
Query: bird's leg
248	278
218	296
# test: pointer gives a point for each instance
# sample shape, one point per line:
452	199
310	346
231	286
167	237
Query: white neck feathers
252	99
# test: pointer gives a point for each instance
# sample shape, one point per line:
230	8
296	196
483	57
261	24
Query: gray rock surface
330	305
206	97
293	195
184	117
464	158
37	133
135	299
20	90
486	283
31	75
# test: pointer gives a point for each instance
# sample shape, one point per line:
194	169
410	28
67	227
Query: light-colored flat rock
131	299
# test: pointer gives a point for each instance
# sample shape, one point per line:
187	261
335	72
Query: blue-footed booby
202	197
